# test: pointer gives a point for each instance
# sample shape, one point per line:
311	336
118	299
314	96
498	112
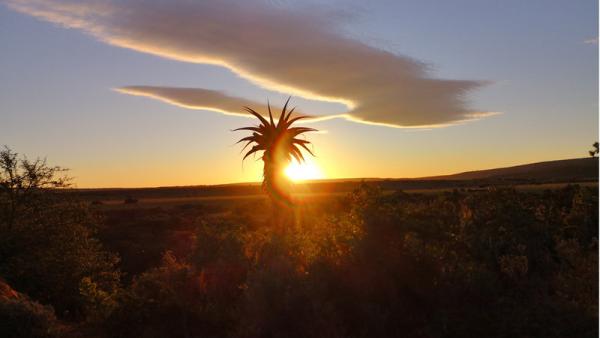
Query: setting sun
307	170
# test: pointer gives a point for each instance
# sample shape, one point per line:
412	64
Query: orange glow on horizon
308	170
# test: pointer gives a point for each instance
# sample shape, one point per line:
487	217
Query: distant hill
579	169
563	171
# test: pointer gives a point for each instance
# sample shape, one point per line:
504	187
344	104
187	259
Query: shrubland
495	263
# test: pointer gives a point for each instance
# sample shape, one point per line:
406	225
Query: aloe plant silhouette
278	142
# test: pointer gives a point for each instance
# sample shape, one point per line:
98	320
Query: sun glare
308	170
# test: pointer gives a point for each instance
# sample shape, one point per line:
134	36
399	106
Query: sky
138	94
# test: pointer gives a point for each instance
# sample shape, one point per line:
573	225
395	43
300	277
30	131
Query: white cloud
296	52
205	99
214	100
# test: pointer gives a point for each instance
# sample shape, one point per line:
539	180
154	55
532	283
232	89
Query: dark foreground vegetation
495	263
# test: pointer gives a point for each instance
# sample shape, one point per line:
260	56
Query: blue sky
536	58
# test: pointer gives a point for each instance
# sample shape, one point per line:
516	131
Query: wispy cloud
214	100
293	51
197	98
592	41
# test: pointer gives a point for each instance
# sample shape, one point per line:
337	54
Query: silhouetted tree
47	244
594	151
22	180
279	144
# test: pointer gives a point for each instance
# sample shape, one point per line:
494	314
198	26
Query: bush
22	317
158	303
427	265
47	243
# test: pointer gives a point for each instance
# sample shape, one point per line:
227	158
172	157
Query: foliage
22	317
174	300
99	302
497	263
428	265
46	237
491	263
22	181
279	143
594	151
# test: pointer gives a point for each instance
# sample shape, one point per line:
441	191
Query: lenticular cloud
292	51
